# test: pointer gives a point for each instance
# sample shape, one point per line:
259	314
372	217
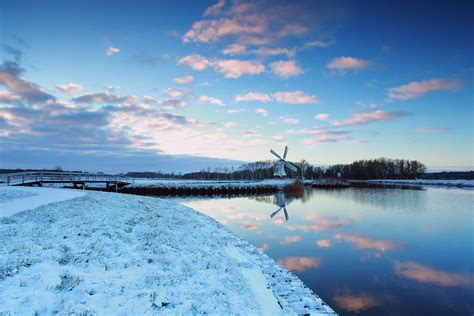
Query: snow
18	199
459	183
107	253
178	183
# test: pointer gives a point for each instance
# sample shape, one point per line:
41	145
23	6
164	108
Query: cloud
278	138
230	68
319	43
183	80
110	51
300	263
250	133
365	242
150	100
264	247
290	240
211	100
69	88
321	135
105	98
232	111
172	104
230	124
196	62
433	129
249	225
145	59
289	120
322	117
347	63
10	77
285	69
253	96
215	9
174	93
362	118
323	243
356	303
426	274
319	223
295	97
7	97
16	53
266	51
234	49
234	68
416	89
263	112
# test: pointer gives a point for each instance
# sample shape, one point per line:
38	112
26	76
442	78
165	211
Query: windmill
281	202
282	163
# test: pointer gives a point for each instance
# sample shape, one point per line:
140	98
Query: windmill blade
286	152
291	166
275	213
275	154
286	213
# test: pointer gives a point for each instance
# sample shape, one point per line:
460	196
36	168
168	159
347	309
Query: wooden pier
77	179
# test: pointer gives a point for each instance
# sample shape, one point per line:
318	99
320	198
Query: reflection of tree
405	201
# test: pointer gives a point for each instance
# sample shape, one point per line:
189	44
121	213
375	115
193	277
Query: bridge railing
48	176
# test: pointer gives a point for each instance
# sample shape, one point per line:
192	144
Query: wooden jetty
77	179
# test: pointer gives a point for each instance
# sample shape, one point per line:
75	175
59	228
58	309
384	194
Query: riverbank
445	183
99	252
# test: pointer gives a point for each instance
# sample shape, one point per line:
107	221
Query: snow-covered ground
65	251
459	183
178	183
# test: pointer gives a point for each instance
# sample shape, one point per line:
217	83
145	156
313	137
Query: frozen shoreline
446	183
114	253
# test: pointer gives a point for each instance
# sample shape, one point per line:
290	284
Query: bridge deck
39	178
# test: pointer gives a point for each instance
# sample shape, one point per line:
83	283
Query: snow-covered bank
109	253
208	183
457	183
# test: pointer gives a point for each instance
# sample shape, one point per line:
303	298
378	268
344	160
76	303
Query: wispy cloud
183	80
295	97
289	120
300	263
263	112
319	43
105	98
285	69
253	96
110	51
211	100
290	240
230	68
234	49
416	89
69	88
362	118
433	129
268	51
322	117
347	63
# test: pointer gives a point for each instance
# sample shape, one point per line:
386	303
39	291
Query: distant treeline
381	168
449	175
157	175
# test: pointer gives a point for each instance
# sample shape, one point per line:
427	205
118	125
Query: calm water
366	251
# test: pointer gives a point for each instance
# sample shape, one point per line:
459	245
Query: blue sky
119	86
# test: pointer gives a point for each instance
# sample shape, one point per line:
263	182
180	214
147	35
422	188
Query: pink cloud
426	274
216	8
183	80
110	51
300	263
211	100
249	225
253	96
319	223
196	62
208	31
365	242
69	88
278	138
321	135
416	89
234	49
295	97
347	63
250	133
290	240
324	243
369	117
433	129
319	43
289	120
322	117
7	97
266	51
356	303
285	69
262	112
234	68
174	93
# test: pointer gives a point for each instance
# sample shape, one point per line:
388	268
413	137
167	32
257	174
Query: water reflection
366	251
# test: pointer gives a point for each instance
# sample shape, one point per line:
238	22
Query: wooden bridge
77	179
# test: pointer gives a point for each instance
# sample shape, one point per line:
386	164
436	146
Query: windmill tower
282	163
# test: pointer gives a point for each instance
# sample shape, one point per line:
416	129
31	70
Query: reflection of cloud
324	243
300	263
365	242
355	303
425	274
249	225
290	240
264	247
320	223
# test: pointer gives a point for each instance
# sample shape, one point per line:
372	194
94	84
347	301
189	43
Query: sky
185	85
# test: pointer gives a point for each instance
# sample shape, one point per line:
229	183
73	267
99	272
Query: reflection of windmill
281	202
282	163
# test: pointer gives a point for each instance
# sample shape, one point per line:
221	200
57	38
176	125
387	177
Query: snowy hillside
106	253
